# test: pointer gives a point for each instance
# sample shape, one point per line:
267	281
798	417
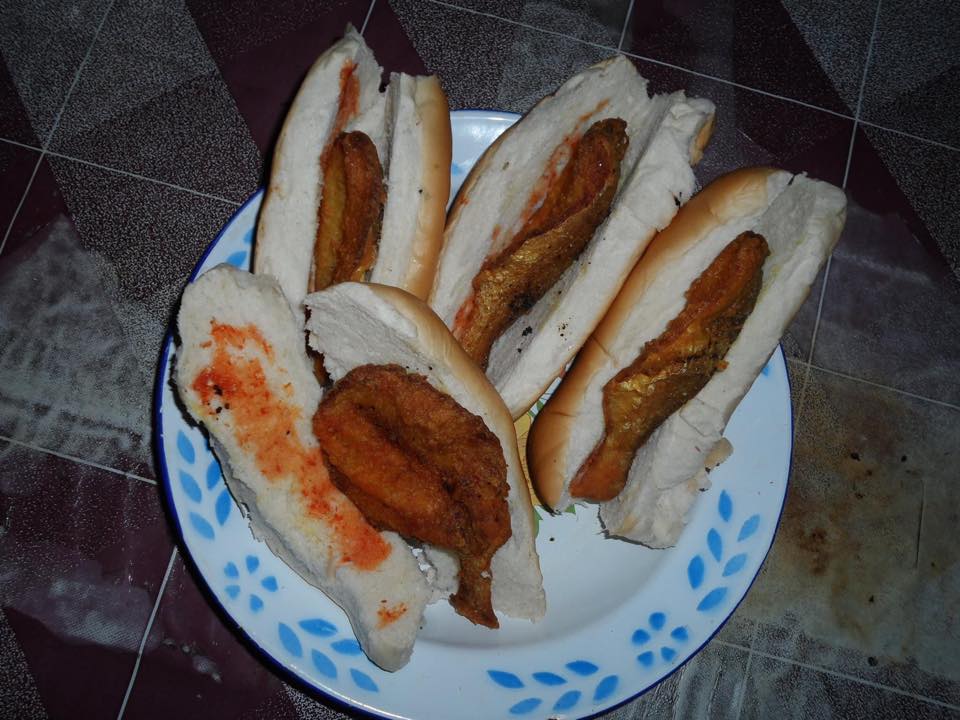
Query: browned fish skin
675	366
415	462
576	203
350	211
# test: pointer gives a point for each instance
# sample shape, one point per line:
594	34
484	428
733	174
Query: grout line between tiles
79	460
845	676
626	23
146	633
136	176
24	145
56	123
919	138
889	388
363	28
746	671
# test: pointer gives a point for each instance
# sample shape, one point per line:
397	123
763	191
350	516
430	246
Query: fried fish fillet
674	367
417	463
576	202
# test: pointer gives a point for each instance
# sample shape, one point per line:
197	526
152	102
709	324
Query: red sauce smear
348	104
388	615
264	424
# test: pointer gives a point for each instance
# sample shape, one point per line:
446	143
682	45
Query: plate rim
245	637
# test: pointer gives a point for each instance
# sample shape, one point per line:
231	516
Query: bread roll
801	220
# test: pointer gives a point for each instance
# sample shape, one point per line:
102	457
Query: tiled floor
130	130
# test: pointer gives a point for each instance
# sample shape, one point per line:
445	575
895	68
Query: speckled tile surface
914	80
171	120
83	553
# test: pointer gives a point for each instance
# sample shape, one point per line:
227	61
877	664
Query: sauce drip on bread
234	390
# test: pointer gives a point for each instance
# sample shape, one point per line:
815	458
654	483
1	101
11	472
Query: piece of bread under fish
279	508
801	220
667	134
409	124
355	324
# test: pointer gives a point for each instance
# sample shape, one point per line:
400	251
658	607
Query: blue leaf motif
582	667
749	527
323	664
734	564
201	526
289	640
269	584
238	258
567	700
185	447
248	237
505	679
766	369
230	570
233	591
679	634
213	474
605	688
256	604
695	572
657	620
190	486
715	544
224	503
347	646
668	653
318	627
525	706
363	681
640	637
253	562
712	599
548	678
645	659
725	506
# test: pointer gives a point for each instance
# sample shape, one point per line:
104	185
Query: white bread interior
420	147
276	509
667	133
410	126
356	324
801	220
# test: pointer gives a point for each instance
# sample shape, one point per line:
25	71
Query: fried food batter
350	212
675	366
577	201
415	462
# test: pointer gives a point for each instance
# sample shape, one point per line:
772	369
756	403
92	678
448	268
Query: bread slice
356	324
667	133
801	220
278	505
410	126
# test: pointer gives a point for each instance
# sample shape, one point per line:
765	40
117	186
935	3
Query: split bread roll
356	324
409	126
665	133
801	220
242	372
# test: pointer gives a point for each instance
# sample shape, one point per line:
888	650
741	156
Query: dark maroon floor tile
862	577
263	52
810	52
150	101
913	83
598	21
192	664
43	45
14	122
891	311
776	689
87	299
16	167
83	553
391	44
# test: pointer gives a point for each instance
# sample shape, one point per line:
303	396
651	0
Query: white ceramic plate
619	617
